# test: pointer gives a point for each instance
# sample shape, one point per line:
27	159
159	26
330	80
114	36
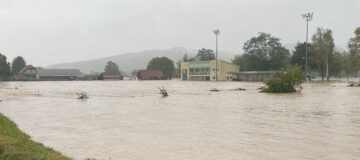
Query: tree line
265	52
7	69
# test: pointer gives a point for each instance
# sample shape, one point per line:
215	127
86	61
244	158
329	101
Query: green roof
199	64
253	72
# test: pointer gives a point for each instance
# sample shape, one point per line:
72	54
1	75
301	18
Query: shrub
285	80
163	92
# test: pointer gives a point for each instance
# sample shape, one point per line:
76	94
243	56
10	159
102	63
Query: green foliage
164	64
4	67
354	52
265	52
323	46
163	92
205	55
240	61
337	64
17	64
298	56
16	145
285	80
111	67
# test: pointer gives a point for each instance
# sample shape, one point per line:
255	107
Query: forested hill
130	61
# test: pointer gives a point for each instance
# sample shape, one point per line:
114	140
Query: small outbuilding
254	76
150	74
29	72
110	76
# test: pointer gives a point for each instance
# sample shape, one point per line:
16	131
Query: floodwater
129	120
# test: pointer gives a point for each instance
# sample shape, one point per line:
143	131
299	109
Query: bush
284	81
163	92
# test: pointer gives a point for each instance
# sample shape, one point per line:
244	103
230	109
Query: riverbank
16	145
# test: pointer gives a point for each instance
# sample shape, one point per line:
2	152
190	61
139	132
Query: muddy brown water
130	120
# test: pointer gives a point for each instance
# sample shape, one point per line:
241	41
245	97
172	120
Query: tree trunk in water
327	68
355	75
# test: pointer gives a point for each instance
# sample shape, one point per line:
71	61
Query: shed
110	76
150	74
252	75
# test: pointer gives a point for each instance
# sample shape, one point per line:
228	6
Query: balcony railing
199	73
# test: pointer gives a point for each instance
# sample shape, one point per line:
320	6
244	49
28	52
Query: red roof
27	67
151	73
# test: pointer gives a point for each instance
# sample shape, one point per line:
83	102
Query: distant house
110	76
58	74
150	74
27	73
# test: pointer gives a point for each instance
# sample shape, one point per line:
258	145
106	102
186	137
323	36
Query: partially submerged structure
32	73
254	76
206	70
110	76
29	73
150	74
58	74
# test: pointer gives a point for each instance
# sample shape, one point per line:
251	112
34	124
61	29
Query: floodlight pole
217	32
308	17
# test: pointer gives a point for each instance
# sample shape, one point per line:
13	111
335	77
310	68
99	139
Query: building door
184	74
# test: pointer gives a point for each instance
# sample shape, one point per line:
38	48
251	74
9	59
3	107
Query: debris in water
163	92
261	88
82	95
354	85
214	90
37	93
239	89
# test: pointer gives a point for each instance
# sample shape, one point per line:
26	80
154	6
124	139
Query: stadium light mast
216	32
308	17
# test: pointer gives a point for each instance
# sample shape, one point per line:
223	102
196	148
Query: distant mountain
136	60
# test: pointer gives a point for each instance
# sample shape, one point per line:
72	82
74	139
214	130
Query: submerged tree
285	80
323	45
112	67
17	64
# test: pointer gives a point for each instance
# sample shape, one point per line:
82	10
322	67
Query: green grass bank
16	145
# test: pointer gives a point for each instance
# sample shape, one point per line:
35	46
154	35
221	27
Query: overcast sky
52	31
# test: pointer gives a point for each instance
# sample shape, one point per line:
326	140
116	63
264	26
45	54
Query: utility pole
308	17
217	32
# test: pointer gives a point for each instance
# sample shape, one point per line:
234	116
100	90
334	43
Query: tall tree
205	55
164	64
354	52
323	45
111	67
240	60
17	64
265	52
336	64
298	56
4	67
